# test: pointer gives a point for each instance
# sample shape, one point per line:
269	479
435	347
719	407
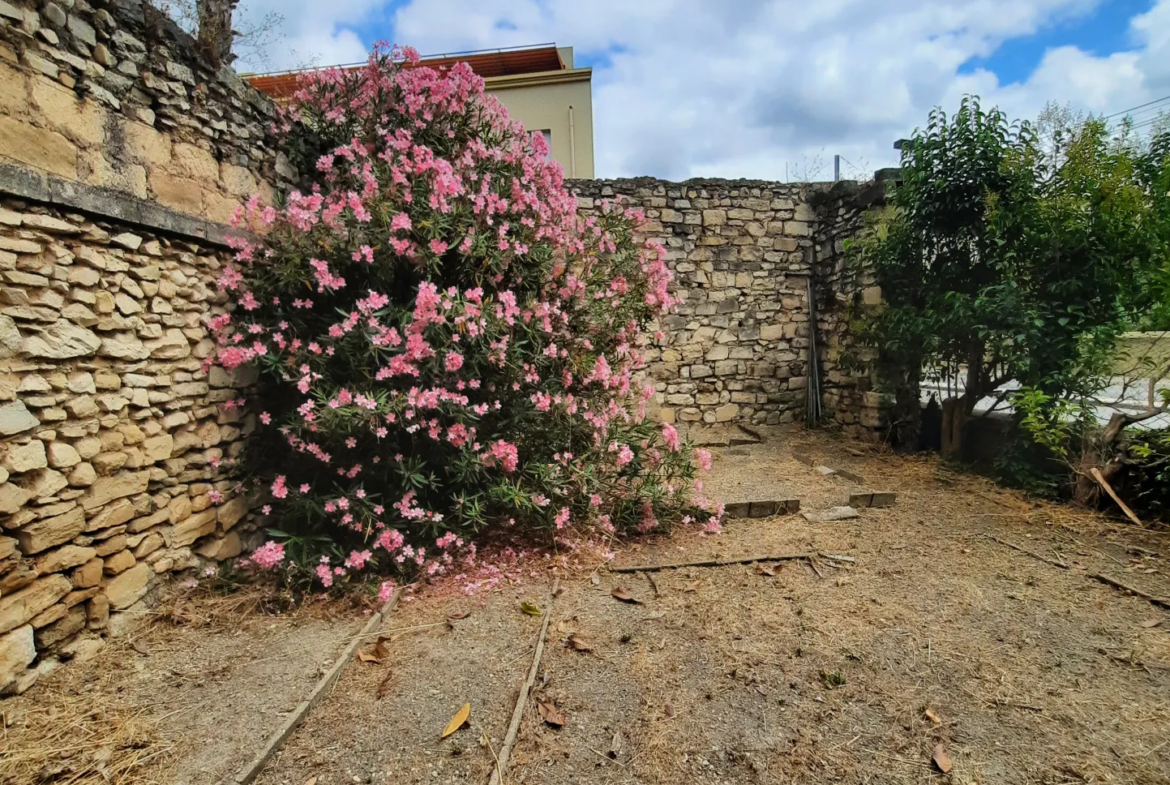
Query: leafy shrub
447	347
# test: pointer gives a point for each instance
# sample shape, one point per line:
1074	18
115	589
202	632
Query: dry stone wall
111	93
737	349
113	434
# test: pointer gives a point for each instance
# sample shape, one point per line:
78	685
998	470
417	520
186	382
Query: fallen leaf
141	648
384	685
668	709
1151	623
596	581
623	594
311	781
380	649
577	644
369	656
551	714
941	759
530	609
692	586
930	715
458	721
766	569
615	746
458	616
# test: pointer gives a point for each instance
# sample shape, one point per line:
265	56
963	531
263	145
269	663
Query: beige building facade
539	85
559	105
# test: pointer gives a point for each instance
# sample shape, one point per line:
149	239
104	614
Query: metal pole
836	168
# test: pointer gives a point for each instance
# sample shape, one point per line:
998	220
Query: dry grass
70	735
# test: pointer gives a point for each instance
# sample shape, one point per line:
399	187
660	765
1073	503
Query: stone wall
737	350
850	394
112	432
121	154
111	93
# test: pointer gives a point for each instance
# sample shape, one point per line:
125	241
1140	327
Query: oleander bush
447	349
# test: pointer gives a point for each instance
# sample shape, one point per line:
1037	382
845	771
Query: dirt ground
936	638
185	699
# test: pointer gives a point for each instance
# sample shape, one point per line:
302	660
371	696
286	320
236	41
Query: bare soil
936	639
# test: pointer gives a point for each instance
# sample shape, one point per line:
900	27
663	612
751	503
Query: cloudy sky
773	88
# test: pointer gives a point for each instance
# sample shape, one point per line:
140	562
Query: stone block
873	499
62	340
727	412
179	193
20	607
88	574
17	651
23	458
64	558
39	148
198	525
119	562
232	512
48	532
107	489
130	586
12	498
62	455
714	217
71	622
15	418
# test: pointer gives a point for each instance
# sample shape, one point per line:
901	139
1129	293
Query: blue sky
1102	30
757	88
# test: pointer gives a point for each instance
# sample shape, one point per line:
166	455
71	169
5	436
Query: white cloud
750	88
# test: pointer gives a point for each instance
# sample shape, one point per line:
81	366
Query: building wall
542	101
117	97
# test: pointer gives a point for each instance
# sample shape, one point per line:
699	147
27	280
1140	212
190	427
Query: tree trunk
215	29
954	421
1088	492
957	411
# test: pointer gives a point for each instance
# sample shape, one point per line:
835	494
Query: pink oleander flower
268	555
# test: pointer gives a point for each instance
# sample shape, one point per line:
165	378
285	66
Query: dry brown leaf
141	647
551	714
941	759
668	709
1151	623
311	781
380	649
930	715
458	721
577	644
766	569
615	746
384	685
623	594
369	656
596	581
692	586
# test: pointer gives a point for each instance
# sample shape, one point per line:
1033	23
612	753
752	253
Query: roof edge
539	78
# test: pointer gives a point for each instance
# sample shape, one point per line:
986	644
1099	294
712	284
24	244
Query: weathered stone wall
121	154
737	350
112	93
112	432
850	395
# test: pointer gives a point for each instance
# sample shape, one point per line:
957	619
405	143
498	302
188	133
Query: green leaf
530	609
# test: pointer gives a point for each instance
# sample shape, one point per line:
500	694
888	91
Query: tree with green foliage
1000	263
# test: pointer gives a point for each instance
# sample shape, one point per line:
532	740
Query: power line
1135	108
